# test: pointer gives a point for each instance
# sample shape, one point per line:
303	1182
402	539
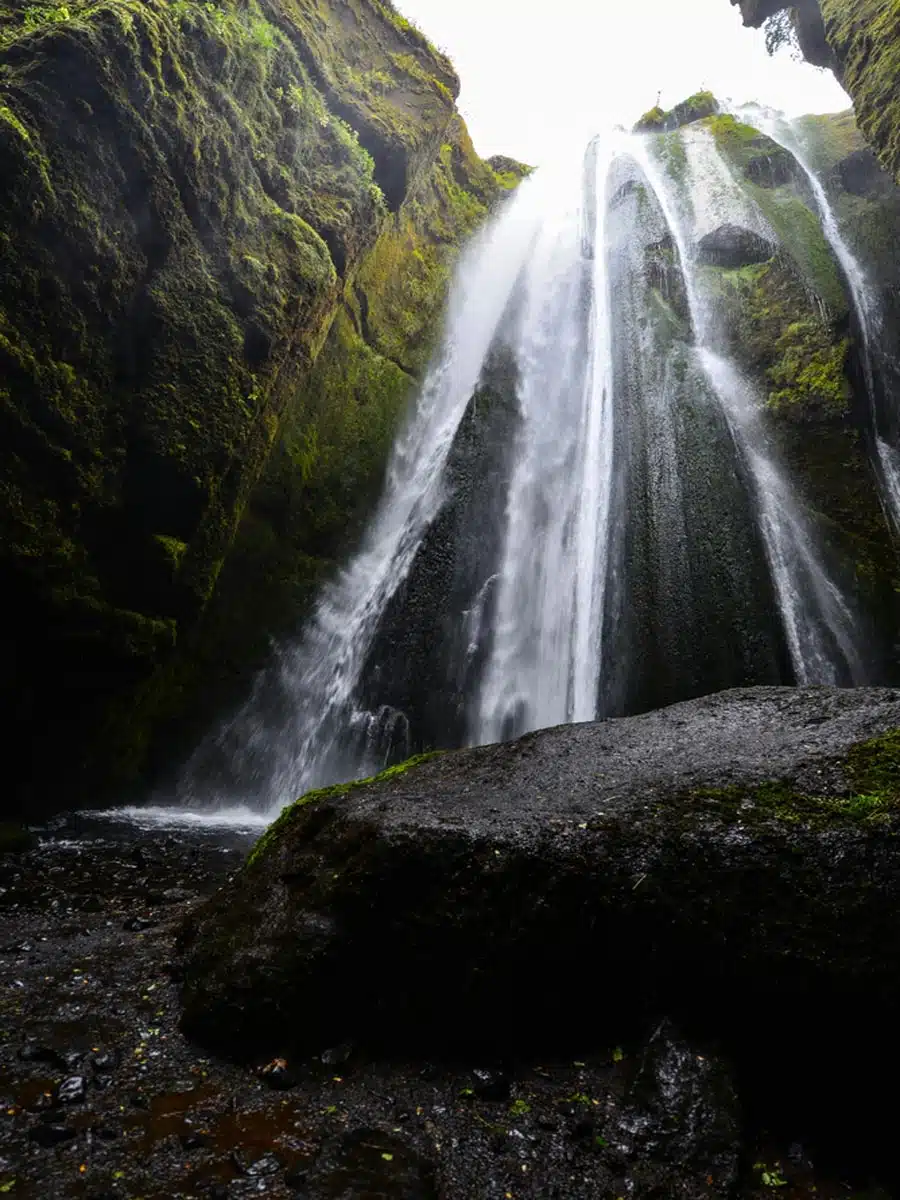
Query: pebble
277	1074
72	1090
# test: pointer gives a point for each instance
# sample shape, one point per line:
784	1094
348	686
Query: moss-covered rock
189	195
697	861
695	108
860	39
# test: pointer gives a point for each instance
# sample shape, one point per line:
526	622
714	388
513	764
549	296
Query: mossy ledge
195	199
282	825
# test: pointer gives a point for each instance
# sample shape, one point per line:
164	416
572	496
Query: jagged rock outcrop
860	41
782	307
194	201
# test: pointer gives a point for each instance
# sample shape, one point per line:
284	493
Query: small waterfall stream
627	522
786	134
818	623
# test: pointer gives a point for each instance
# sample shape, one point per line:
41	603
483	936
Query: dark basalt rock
732	246
773	169
861	174
679	1132
697	861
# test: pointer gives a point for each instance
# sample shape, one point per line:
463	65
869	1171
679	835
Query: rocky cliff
783	310
860	41
225	236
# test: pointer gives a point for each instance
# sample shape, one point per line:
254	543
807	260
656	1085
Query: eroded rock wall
194	201
860	40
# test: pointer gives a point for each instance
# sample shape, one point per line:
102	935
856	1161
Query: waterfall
786	134
819	625
545	661
625	534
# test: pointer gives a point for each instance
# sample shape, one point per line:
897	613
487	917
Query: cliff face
225	235
782	307
860	40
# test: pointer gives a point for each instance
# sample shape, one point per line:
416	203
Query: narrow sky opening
537	75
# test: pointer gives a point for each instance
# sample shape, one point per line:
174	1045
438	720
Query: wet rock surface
732	246
724	861
160	1118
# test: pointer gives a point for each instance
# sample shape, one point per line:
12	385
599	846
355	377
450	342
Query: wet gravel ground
101	1096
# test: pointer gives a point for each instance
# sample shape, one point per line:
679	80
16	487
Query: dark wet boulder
725	859
733	246
773	168
679	1131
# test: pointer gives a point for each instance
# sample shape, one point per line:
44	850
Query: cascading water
819	625
545	658
788	135
582	516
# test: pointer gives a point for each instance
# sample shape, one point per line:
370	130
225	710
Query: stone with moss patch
701	857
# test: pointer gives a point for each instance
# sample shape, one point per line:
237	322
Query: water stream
864	297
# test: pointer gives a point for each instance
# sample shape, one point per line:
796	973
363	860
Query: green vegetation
865	37
336	792
695	108
809	371
172	264
863	789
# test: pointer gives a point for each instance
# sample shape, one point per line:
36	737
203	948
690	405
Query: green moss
652	121
864	789
695	108
865	37
171	265
810	371
733	136
336	792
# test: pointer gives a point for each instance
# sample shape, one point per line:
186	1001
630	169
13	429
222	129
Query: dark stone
51	1135
570	885
680	1130
774	168
732	246
72	1090
861	174
278	1075
337	1055
269	1164
138	924
103	1061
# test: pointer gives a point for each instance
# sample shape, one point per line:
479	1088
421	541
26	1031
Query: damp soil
101	1096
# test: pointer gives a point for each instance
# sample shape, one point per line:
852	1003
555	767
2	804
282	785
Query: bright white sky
535	73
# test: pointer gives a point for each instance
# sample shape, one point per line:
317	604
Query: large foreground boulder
731	861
